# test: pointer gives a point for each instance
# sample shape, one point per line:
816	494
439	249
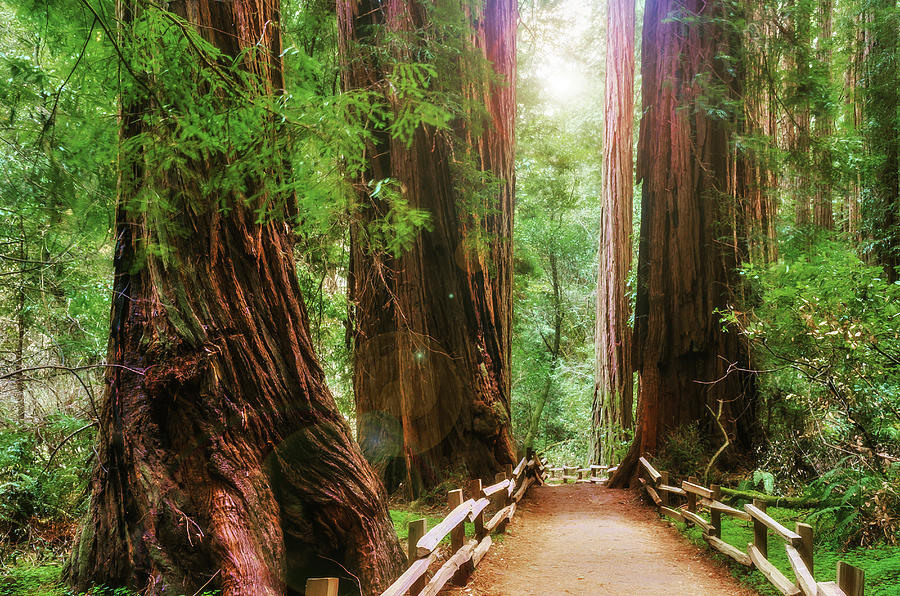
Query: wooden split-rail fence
593	474
798	543
504	495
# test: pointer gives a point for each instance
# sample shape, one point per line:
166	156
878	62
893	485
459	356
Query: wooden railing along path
798	543
594	474
504	495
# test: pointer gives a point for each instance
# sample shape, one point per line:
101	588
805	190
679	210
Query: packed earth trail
593	541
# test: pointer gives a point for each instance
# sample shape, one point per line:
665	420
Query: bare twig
718	418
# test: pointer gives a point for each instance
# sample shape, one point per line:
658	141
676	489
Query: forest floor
588	540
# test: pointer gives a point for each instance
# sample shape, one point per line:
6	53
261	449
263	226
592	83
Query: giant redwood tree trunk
223	462
432	325
685	360
612	408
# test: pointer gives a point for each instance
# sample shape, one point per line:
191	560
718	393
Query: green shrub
684	452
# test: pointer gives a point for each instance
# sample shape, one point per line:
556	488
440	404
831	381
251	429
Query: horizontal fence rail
593	474
798	542
503	496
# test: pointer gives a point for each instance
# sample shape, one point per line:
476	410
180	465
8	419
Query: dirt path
588	540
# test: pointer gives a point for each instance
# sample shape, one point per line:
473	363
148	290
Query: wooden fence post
664	494
417	529
760	534
715	517
850	579
806	546
476	492
457	534
691	497
458	537
322	586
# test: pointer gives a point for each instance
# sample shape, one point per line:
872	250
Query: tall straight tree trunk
223	462
854	112
612	407
883	116
21	325
823	209
686	362
799	99
759	120
432	325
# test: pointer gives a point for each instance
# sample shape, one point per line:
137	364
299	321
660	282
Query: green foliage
827	328
557	223
881	563
766	479
36	492
684	451
866	508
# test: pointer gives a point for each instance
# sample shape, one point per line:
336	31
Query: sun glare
563	79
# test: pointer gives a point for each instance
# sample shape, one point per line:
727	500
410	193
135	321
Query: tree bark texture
223	462
613	386
686	361
431	327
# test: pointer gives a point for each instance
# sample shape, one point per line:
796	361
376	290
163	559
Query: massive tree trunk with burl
431	325
223	462
686	361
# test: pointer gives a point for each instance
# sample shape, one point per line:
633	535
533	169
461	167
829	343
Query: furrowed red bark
432	326
223	462
685	360
612	407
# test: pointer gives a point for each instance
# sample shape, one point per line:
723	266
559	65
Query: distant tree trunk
553	349
612	407
760	121
854	102
21	324
883	116
798	99
223	462
823	209
432	326
685	360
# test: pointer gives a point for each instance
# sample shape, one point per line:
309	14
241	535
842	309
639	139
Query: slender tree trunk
612	407
553	351
685	359
223	462
21	324
758	205
823	209
855	99
432	326
798	100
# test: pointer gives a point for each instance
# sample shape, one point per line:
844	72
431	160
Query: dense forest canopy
255	252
